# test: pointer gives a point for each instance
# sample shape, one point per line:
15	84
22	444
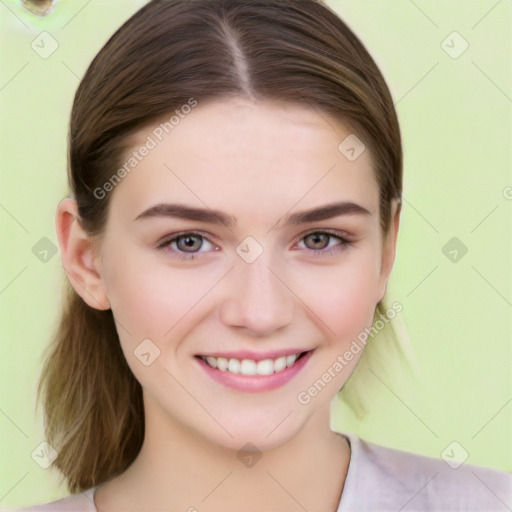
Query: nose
257	299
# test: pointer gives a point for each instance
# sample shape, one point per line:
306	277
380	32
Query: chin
248	437
264	427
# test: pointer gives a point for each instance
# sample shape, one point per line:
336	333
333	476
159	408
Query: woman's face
213	255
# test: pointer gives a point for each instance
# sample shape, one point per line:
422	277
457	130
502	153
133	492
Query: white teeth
280	364
265	367
291	359
234	366
222	363
212	361
250	366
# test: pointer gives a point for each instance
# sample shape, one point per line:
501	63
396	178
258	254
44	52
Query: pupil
318	238
189	242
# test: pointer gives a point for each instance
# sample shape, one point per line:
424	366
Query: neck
178	469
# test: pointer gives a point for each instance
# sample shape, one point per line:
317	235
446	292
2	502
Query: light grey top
381	479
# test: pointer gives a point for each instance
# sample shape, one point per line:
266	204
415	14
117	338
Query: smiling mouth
251	366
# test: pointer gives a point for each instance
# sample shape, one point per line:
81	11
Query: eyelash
168	240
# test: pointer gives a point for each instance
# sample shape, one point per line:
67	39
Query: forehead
251	155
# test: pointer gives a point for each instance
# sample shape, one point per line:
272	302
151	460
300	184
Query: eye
322	242
185	245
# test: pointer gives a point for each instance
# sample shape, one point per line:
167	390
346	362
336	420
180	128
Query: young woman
236	174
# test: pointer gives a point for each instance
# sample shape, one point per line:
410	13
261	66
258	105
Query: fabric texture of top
381	479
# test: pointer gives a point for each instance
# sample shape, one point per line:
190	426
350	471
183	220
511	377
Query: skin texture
258	162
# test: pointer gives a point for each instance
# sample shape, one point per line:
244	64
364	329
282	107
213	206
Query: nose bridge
257	299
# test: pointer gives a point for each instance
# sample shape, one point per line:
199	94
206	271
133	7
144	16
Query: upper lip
256	356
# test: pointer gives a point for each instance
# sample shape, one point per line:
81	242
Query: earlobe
79	258
389	248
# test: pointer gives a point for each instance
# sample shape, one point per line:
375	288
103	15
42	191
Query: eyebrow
210	216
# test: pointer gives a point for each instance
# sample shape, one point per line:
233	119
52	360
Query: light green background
455	116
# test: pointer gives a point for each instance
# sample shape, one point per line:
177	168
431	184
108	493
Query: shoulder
381	478
82	502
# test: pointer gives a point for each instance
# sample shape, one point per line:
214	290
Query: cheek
342	296
140	295
152	300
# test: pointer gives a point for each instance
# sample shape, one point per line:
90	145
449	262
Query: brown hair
167	53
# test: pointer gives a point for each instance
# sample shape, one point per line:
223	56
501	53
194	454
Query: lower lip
255	383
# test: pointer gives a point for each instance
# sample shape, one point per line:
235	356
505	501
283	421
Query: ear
389	248
79	256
